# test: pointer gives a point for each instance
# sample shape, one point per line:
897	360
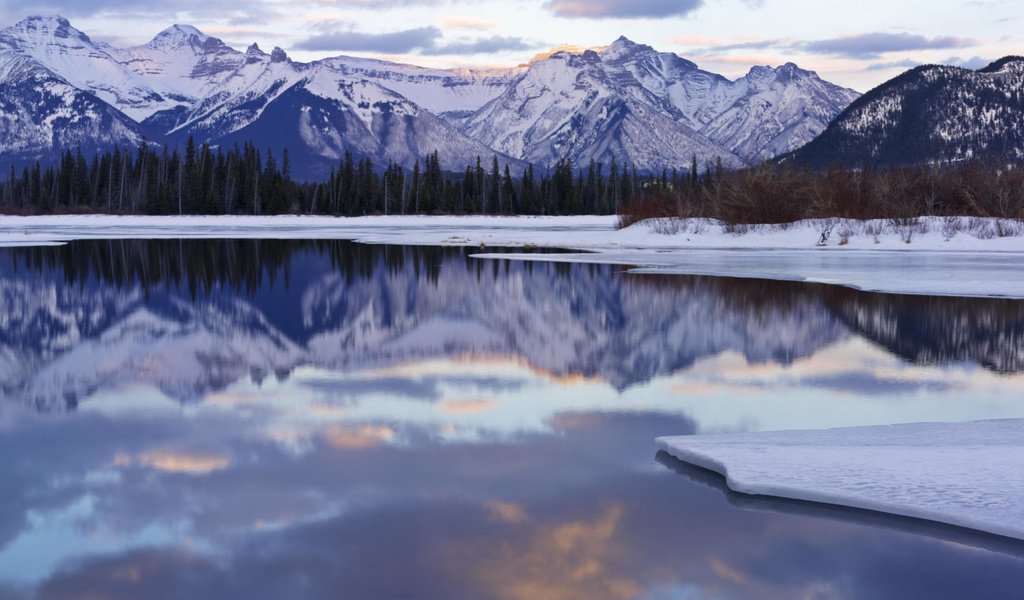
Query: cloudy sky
857	44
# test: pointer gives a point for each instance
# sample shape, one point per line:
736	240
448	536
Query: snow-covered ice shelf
967	260
964	474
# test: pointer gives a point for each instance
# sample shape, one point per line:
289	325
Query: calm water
213	419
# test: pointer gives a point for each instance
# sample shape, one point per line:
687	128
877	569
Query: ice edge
675	446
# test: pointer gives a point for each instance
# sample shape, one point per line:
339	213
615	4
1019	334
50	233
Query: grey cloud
623	9
871	45
896	64
251	11
862	46
77	8
755	45
397	42
424	40
974	63
487	45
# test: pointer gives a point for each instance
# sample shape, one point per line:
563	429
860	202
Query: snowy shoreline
961	474
932	255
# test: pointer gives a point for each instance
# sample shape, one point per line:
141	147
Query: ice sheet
965	474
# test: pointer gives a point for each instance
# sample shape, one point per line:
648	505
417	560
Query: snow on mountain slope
776	111
183	59
320	113
574	106
42	114
242	95
765	113
90	66
758	116
625	102
931	114
455	91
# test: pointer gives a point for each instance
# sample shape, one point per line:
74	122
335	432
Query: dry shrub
771	194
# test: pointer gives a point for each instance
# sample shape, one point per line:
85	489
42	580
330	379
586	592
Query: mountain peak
623	47
177	36
789	70
568	48
278	55
39	27
46	19
254	54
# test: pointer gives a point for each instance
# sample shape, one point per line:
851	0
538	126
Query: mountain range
625	102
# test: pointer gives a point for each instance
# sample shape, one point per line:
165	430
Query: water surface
271	419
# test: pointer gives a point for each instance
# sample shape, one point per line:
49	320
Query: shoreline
965	256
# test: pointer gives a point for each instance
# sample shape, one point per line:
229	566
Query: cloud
93	7
472	23
422	40
973	63
871	45
861	46
253	12
396	42
752	45
488	45
896	64
621	9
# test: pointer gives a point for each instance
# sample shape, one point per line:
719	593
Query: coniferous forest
247	181
203	180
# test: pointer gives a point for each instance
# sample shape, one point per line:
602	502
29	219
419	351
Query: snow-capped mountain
320	109
654	109
92	67
625	102
931	114
42	114
184	83
451	93
570	106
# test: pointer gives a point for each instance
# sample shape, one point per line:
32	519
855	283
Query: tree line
778	193
247	181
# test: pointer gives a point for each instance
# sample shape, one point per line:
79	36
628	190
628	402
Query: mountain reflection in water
268	419
201	314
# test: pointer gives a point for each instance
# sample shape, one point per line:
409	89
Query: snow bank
969	257
965	474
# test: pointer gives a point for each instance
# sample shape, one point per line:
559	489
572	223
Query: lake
321	419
